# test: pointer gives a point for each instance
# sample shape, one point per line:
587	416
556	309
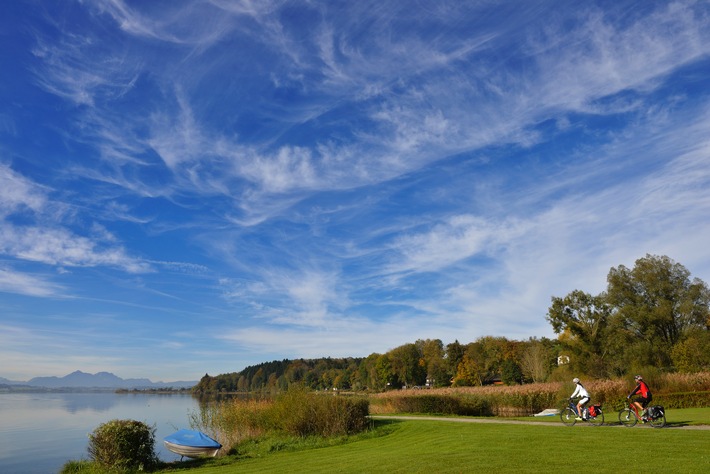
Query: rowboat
191	444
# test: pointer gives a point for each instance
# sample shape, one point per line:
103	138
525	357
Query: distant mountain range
100	380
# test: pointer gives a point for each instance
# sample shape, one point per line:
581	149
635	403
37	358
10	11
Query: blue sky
191	187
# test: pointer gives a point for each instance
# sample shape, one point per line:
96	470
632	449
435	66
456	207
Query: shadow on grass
189	464
379	422
678	424
669	424
186	463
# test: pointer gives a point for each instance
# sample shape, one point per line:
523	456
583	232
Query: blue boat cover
193	438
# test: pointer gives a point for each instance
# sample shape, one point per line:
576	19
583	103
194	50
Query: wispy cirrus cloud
19	194
417	116
43	238
297	298
335	339
613	55
58	246
23	283
456	239
67	74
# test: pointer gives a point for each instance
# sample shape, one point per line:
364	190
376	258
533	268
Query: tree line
652	315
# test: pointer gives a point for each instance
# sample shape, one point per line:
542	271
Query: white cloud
177	138
57	246
26	284
354	338
456	239
132	22
18	193
305	298
602	57
420	114
74	71
47	241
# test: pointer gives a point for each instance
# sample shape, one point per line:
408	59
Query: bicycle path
521	422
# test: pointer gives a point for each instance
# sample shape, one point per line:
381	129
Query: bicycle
569	415
655	416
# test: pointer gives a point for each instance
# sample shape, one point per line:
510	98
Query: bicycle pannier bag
655	411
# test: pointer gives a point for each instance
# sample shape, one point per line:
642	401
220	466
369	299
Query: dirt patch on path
521	422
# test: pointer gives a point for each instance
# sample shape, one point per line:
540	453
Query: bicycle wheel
627	417
596	420
568	417
658	422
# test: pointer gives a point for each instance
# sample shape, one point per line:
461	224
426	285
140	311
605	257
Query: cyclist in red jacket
645	395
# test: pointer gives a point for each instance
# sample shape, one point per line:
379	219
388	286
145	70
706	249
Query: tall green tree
658	305
367	374
581	319
490	354
453	355
511	373
432	351
407	364
386	377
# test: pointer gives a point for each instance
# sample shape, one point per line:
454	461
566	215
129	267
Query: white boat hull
191	451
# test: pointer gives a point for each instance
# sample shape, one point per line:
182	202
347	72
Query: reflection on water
76	402
39	432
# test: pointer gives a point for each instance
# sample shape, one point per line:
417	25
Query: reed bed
670	390
296	412
696	382
232	421
471	401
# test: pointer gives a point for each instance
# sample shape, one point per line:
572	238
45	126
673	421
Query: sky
197	186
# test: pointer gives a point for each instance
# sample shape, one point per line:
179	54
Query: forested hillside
651	317
322	373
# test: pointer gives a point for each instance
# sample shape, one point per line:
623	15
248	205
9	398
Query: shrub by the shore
123	445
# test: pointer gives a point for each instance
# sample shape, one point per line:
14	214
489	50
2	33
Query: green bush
683	400
123	445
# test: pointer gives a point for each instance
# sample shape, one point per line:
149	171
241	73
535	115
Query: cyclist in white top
581	392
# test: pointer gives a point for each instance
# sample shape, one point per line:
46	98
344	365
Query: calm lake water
39	432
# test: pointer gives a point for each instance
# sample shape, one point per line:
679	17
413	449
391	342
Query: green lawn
449	447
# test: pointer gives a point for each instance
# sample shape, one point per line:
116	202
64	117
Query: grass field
449	447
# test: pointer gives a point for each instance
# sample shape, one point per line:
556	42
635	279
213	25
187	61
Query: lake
39	432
